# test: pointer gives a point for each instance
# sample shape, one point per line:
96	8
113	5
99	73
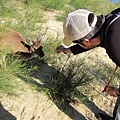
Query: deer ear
39	38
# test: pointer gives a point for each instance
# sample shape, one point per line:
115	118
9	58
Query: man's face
88	44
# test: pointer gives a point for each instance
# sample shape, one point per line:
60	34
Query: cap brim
66	41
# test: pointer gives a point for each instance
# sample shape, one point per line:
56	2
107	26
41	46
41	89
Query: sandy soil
33	105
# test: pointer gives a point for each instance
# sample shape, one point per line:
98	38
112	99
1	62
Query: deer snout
40	52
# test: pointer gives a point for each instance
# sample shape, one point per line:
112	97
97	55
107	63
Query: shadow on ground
5	115
44	75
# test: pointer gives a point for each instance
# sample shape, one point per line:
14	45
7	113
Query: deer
18	45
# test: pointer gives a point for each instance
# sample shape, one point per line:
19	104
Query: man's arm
75	49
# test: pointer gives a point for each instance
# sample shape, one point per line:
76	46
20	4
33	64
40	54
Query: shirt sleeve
76	49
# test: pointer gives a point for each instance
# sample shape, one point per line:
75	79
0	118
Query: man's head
80	25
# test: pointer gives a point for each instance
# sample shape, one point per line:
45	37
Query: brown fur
17	44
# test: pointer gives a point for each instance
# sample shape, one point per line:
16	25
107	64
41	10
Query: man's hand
59	49
111	91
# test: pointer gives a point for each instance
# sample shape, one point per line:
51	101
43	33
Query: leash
107	86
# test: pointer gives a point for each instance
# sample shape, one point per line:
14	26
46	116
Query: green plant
22	18
54	4
65	80
89	5
69	77
9	70
50	45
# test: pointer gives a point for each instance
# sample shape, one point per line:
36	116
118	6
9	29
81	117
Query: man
86	31
89	31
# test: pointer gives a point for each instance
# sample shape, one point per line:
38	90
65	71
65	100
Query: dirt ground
33	105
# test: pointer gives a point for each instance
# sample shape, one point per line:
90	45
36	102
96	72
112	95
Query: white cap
76	26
